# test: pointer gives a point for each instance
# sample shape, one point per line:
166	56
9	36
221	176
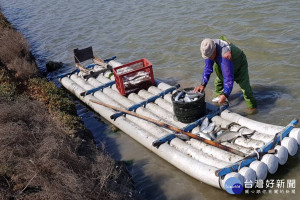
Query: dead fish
204	135
215	100
182	137
226	136
204	124
219	133
209	128
192	95
187	99
212	136
180	95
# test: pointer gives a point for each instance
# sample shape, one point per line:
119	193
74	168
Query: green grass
57	101
8	88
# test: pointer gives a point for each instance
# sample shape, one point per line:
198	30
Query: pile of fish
137	77
137	81
207	130
215	133
130	68
187	96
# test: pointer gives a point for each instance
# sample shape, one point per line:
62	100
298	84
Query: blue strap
144	103
101	87
74	71
163	139
109	59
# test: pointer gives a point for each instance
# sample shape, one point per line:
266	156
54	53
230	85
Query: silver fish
226	136
182	136
204	135
187	99
215	100
212	136
193	94
204	124
219	133
209	128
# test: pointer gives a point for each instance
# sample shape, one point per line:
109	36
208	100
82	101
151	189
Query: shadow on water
146	185
99	129
266	96
105	137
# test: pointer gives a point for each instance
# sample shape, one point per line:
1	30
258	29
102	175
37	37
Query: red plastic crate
134	76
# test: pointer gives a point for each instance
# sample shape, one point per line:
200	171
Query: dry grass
15	53
39	161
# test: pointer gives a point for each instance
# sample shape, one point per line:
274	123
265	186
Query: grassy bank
46	153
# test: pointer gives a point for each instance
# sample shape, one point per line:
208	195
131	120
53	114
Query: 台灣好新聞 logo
233	186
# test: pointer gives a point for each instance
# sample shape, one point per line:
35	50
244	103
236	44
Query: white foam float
282	154
248	174
260	168
271	161
290	144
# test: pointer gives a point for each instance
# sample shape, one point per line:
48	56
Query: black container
187	112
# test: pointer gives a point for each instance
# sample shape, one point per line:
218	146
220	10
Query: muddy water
168	33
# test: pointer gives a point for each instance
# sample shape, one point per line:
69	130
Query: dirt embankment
38	157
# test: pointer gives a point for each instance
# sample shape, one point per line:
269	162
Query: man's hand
199	88
222	99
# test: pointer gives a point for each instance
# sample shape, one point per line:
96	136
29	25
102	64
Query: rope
275	139
77	59
220	182
234	139
240	163
241	128
232	124
257	153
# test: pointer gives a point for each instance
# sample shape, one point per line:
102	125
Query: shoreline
48	153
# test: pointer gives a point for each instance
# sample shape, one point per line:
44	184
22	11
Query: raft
201	161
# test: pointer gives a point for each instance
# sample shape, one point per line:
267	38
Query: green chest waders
241	75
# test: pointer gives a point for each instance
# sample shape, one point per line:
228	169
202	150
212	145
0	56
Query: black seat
81	55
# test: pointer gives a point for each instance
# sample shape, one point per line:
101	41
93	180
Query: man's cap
207	47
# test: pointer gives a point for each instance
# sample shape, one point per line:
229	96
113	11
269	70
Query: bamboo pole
167	126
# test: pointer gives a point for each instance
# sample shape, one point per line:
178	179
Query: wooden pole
167	126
